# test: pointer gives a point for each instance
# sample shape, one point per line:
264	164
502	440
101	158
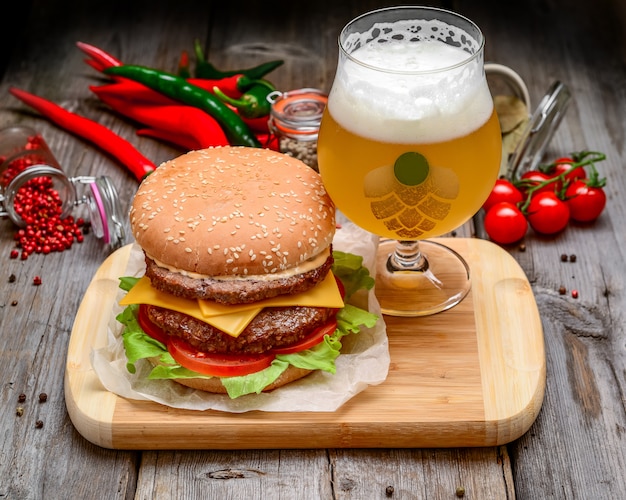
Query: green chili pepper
204	69
180	89
253	102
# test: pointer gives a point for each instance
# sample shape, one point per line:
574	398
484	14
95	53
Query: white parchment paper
364	358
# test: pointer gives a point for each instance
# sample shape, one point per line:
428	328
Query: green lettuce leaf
127	282
350	319
349	268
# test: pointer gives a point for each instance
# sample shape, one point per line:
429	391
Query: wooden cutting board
470	376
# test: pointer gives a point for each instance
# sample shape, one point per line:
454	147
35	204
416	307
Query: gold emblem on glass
411	196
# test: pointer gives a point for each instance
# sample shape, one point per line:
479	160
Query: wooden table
577	446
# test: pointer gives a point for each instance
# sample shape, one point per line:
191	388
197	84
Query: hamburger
242	291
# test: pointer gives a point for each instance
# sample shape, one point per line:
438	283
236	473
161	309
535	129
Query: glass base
442	281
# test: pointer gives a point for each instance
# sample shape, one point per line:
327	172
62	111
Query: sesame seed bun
232	211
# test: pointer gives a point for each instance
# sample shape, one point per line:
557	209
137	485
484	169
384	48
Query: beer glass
410	145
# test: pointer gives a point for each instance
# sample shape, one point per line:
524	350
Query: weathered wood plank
55	461
417	474
246	474
577	444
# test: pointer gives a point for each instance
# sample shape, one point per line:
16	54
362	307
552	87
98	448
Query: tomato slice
149	327
217	365
310	341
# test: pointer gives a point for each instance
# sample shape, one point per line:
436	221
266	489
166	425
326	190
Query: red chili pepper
125	93
138	93
131	92
269	141
179	140
95	65
100	59
175	120
92	131
258	125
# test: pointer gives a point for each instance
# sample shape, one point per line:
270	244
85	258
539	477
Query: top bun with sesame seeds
234	225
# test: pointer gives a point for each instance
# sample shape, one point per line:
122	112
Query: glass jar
539	130
295	120
25	156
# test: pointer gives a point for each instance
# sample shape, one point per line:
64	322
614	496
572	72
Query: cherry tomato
505	223
564	165
310	341
585	202
534	178
547	214
503	190
149	327
218	365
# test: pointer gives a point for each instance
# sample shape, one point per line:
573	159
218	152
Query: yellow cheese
232	319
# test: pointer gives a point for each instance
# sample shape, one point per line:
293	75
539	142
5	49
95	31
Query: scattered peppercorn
574	294
522	247
37	280
460	491
12	278
389	491
39	205
19	411
572	258
21	398
14	303
43	397
562	290
563	257
39	424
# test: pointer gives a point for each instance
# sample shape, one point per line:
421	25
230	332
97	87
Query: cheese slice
232	319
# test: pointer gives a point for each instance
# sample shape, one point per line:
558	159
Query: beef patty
273	327
233	291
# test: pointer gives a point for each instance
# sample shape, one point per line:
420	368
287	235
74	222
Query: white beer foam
434	96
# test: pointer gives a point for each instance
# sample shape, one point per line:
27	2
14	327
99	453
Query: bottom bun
214	384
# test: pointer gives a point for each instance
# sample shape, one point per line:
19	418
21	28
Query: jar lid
297	112
105	212
539	130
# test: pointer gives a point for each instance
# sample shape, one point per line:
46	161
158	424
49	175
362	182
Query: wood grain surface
576	448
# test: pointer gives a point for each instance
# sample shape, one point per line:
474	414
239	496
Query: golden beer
468	167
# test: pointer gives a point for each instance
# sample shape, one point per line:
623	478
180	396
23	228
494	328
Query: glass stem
407	257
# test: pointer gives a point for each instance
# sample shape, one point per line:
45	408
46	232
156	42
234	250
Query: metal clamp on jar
25	156
539	130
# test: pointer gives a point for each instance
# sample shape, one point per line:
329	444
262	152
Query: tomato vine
547	198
